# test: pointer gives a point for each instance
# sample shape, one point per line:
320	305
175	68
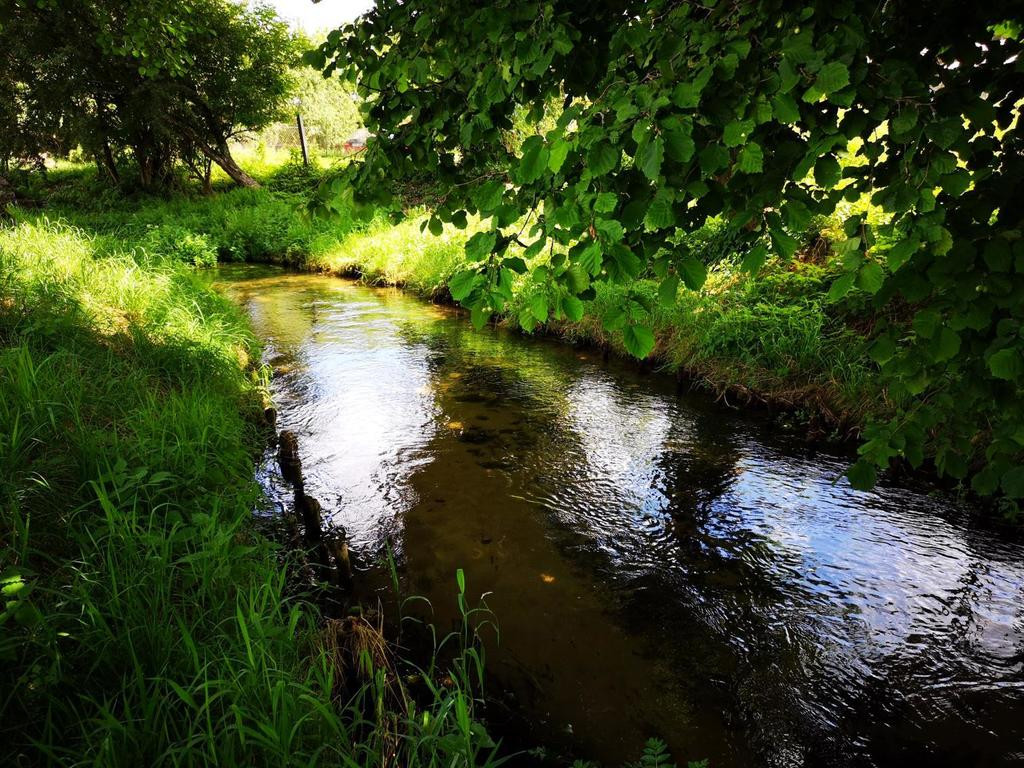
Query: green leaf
556	155
659	213
945	345
832	77
945	132
668	289
870	277
573	308
534	161
785	109
694	272
526	320
736	132
539	307
614	319
788	76
882	350
751	158
900	253
576	278
713	158
611	229
679	144
841	286
827	171
784	245
480	245
435	226
1013	483
488	196
462	283
592	257
649	157
516	264
986	482
926	322
479	316
606	202
1006	364
903	121
755	259
796	215
639	340
862	475
956	183
687	95
602	158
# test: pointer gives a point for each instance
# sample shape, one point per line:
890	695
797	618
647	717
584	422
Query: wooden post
302	138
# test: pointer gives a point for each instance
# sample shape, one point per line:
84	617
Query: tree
671	112
234	79
330	112
162	79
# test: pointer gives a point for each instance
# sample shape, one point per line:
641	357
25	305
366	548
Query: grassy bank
771	337
142	619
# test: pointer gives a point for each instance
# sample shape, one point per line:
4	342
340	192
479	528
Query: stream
659	564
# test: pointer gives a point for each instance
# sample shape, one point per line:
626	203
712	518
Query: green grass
143	621
772	337
734	336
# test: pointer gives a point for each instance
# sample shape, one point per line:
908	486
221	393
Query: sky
327	14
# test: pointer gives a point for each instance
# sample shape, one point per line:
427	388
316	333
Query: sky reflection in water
661	565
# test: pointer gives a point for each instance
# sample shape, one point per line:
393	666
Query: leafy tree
671	112
234	76
330	112
29	125
163	79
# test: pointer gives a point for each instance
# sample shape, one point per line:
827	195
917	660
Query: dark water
660	565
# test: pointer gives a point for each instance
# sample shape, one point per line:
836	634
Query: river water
660	565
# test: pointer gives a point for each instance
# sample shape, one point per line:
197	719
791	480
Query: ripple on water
745	602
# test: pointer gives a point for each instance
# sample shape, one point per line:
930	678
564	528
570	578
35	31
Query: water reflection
659	566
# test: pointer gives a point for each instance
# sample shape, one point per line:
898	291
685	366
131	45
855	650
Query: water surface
660	565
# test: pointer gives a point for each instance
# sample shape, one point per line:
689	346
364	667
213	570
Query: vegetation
672	113
813	204
132	573
330	114
771	337
143	621
165	82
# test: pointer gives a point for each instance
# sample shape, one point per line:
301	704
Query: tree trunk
107	163
221	155
207	174
145	171
6	196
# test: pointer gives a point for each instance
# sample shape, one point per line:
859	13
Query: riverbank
143	618
772	338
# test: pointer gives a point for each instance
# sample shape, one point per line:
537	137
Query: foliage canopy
669	112
330	113
162	79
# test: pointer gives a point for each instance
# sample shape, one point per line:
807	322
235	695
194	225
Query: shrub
181	244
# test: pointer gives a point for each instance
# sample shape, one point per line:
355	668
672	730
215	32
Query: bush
181	244
295	177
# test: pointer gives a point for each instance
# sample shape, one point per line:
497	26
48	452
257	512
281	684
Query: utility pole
302	138
302	131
